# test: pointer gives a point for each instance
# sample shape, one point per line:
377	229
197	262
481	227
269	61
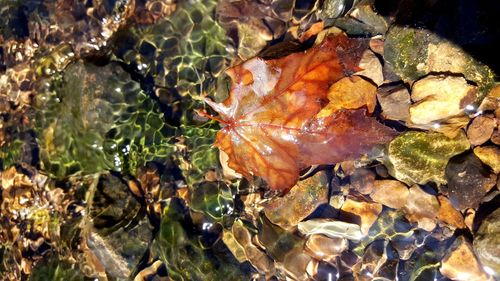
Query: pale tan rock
295	263
372	68
460	263
481	129
391	193
395	102
367	212
489	155
325	248
469	214
422	208
439	97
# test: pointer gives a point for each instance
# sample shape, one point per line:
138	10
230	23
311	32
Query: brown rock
495	137
481	129
395	102
460	263
391	193
422	208
302	200
362	180
325	248
366	212
372	68
469	214
448	214
489	155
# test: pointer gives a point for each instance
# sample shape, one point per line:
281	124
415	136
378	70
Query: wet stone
481	129
390	193
395	102
364	212
448	214
422	208
419	157
461	263
380	259
325	248
303	198
487	243
468	180
330	228
489	155
362	180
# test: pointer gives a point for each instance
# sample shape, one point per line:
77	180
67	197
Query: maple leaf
270	125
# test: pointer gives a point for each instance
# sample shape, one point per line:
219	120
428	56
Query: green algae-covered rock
419	157
184	256
183	52
213	199
94	118
414	52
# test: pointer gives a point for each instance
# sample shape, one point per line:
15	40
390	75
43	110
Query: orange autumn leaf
270	125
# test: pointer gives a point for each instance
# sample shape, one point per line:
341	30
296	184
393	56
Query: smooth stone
489	155
325	248
487	243
448	214
395	102
468	180
439	97
419	157
422	208
362	180
366	211
331	228
380	260
372	68
297	204
481	129
460	263
391	193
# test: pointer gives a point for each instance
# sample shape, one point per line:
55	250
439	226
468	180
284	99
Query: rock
418	157
395	102
438	97
422	208
379	261
460	263
487	243
489	155
492	101
350	93
372	68
495	137
414	52
366	212
214	199
391	193
297	204
362	180
481	129
468	181
448	214
326	248
331	228
469	214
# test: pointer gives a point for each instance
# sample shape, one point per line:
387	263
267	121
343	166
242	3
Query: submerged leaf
272	128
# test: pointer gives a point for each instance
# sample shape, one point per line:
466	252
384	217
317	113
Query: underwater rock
489	155
422	208
481	129
372	68
414	52
325	248
380	260
94	118
439	97
487	243
366	212
468	180
395	102
183	52
390	193
301	201
448	214
409	156
362	180
214	199
460	263
331	228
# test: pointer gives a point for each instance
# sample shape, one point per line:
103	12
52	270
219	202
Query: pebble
460	263
481	129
